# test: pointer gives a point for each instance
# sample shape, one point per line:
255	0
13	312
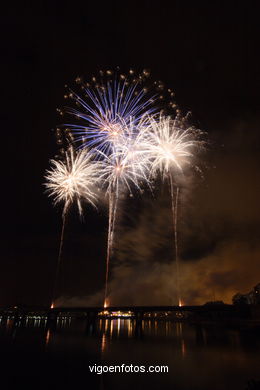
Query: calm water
33	356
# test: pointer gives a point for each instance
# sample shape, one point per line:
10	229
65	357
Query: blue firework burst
105	110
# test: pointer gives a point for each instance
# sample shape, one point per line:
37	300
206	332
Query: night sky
208	53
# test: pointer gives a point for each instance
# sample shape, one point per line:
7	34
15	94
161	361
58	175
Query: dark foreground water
35	357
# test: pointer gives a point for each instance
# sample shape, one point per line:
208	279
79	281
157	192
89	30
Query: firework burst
73	180
171	144
69	181
128	166
109	103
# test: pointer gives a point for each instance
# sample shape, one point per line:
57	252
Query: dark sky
208	52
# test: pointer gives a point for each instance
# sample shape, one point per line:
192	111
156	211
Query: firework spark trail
113	199
55	286
176	246
71	181
174	203
121	171
171	150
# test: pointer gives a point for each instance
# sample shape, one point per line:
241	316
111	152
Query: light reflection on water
198	357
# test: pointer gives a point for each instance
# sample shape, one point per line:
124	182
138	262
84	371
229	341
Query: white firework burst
74	179
171	144
129	165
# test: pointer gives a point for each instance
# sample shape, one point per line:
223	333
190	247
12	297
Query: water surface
197	357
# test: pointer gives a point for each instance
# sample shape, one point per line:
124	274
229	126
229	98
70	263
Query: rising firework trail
71	181
171	144
174	204
128	167
121	171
